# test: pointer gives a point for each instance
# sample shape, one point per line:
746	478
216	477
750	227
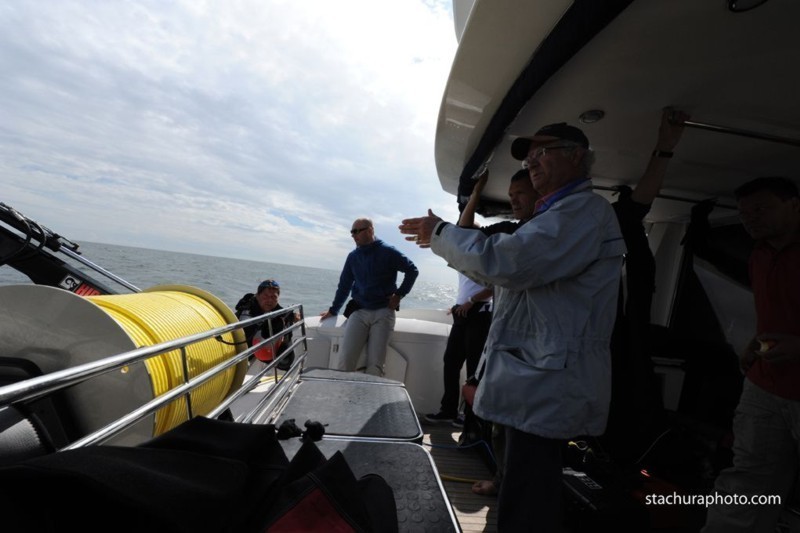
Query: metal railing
19	393
718	128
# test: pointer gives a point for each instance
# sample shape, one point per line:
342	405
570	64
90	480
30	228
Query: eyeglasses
268	284
541	152
356	231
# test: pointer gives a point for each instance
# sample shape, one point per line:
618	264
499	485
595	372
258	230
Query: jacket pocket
543	358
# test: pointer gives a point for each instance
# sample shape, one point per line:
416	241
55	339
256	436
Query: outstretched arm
419	229
669	133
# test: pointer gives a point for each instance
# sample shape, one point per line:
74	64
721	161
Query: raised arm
669	133
467	218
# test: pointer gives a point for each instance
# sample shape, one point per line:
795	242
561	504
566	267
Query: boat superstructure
610	68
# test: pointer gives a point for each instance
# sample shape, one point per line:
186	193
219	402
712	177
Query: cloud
237	128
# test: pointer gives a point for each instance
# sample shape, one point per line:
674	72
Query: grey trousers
370	328
766	448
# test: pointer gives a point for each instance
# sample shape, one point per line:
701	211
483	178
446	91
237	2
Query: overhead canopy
523	65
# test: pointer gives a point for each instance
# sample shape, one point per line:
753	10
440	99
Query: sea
227	279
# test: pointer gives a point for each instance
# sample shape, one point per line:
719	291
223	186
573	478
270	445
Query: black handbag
351	307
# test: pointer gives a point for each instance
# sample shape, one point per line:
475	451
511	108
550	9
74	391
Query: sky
251	129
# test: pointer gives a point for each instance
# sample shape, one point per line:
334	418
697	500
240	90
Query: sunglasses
540	153
356	231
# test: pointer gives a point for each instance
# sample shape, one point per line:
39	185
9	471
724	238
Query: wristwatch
471	300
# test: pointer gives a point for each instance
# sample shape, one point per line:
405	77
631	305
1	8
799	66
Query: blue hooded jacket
370	273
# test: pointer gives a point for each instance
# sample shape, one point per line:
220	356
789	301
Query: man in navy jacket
370	275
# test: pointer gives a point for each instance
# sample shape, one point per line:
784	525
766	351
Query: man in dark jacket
265	300
370	274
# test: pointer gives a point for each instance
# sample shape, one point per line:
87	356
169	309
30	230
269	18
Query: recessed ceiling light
591	116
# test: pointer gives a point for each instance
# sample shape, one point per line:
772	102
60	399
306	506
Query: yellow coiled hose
163	315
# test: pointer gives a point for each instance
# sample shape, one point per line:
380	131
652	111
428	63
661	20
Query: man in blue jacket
546	363
370	275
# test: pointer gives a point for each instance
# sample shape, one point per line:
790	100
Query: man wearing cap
370	275
546	364
265	300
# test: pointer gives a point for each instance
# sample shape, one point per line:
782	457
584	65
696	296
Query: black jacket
248	308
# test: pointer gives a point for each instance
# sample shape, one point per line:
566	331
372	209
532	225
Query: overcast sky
253	129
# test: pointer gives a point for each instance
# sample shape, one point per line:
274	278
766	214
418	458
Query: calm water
229	279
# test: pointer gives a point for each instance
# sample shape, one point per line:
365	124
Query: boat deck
459	467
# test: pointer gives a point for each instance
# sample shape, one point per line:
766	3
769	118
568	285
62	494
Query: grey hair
588	157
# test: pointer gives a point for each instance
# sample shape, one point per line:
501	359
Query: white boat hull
414	356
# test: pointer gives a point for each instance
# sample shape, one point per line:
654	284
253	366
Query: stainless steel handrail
256	379
41	386
742	132
267	407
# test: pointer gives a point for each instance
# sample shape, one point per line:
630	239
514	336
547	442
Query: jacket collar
544	203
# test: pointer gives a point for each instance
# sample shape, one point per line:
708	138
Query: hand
481	183
671	128
783	347
394	301
420	229
326	314
463	309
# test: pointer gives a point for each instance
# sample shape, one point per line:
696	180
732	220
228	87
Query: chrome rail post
304	334
186	379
